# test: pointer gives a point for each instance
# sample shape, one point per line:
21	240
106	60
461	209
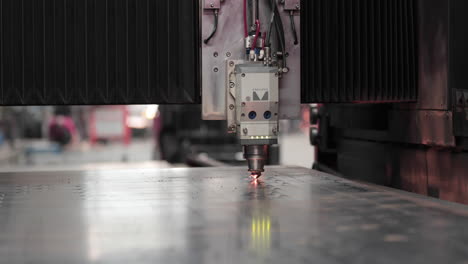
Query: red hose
257	22
246	31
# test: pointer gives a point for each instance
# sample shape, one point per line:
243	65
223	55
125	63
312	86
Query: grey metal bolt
243	104
231	63
297	6
212	5
215	54
275	131
245	131
215	69
231	107
243	75
228	54
232	85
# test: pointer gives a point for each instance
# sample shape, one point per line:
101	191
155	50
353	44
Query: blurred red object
109	123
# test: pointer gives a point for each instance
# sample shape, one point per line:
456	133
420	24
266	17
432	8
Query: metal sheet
217	216
228	44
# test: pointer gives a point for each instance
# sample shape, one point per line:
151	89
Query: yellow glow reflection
260	234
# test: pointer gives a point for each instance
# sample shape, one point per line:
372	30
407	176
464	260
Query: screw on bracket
291	5
212	4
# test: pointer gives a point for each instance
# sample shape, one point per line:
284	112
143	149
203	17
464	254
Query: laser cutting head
256	156
256	109
253	72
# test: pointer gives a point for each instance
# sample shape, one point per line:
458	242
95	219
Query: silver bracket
231	95
212	4
292	5
229	45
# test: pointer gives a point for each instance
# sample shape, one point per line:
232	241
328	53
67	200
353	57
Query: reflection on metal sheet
261	235
195	216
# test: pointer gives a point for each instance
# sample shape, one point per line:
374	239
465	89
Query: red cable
257	22
246	31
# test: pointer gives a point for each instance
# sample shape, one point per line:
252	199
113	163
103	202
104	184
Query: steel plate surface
292	215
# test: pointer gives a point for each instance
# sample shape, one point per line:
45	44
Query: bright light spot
151	111
136	122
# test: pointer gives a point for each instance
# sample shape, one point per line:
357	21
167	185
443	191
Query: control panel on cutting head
251	70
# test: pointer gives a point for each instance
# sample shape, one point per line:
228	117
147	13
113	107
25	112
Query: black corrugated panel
458	44
358	51
98	52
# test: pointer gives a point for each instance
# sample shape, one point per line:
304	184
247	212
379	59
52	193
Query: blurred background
64	137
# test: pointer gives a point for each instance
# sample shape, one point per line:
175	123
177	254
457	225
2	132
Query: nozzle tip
255	175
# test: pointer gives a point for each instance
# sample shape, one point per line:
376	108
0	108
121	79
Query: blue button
252	115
